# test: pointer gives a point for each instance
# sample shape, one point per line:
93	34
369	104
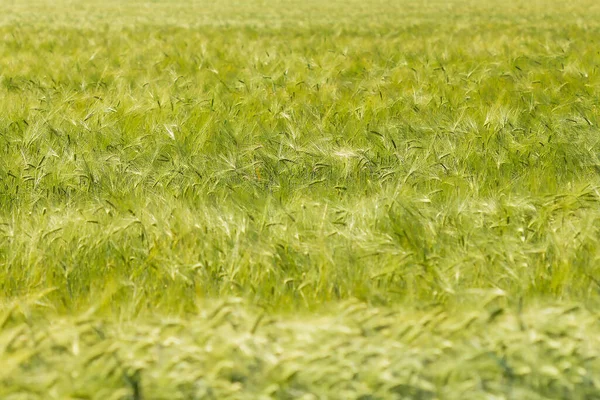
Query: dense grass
287	199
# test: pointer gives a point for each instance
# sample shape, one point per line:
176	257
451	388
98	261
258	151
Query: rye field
286	199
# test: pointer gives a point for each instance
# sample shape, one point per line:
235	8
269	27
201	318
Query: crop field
299	199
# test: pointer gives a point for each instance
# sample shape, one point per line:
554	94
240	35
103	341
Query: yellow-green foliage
299	199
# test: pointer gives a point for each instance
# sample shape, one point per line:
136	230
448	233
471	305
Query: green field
299	199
